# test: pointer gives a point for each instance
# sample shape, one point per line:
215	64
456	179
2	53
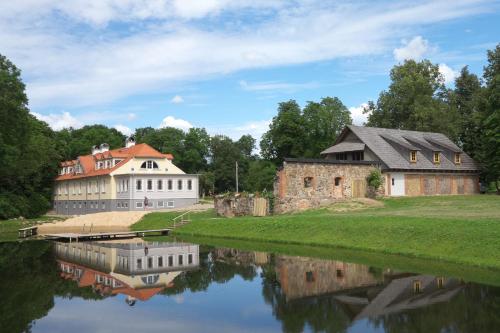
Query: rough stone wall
236	205
291	194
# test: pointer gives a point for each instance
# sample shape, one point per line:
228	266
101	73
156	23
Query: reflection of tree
29	280
475	309
321	314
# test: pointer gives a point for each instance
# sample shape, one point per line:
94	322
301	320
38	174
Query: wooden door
358	188
259	207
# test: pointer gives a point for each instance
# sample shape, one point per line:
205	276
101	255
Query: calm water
178	287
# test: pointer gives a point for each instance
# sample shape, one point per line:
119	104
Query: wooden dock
28	232
75	237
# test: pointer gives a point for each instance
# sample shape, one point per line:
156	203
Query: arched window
149	165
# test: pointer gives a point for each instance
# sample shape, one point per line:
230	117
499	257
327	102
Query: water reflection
46	287
137	269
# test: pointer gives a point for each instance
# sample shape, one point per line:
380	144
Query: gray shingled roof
344	146
392	148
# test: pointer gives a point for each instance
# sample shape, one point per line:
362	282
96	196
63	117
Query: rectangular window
103	205
179	184
358	156
73	189
341	156
160	204
80	188
190	259
436	157
170	185
190	184
150	185
96	187
139	263
160	261
308	182
150	262
170	261
138	205
159	185
126	186
413	156
138	185
89	187
103	186
181	258
458	159
170	204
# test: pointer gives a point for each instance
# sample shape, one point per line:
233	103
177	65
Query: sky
226	64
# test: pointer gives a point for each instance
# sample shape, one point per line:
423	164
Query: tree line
416	99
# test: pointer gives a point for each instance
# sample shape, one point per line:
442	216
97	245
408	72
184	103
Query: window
103	205
103	186
340	273
181	258
413	156
149	165
170	261
119	205
160	261
150	262
89	187
170	204
159	185
150	185
392	181
80	188
96	187
440	282
138	205
436	157
308	182
341	156
190	259
309	276
117	161
139	263
358	156
337	181
458	158
138	185
190	184
179	184
170	185
417	286
160	204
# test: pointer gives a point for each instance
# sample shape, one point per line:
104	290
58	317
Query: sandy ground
107	221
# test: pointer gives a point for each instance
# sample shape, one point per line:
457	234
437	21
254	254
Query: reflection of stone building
139	270
303	277
241	257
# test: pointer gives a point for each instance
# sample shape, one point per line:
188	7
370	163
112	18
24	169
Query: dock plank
105	235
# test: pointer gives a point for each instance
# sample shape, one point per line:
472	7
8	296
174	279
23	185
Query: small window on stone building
309	276
308	182
337	181
458	159
358	156
340	273
341	156
417	286
413	156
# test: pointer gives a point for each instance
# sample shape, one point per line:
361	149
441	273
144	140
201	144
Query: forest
416	99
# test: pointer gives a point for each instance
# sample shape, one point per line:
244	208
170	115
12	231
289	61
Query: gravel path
107	221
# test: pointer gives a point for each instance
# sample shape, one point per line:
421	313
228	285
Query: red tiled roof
88	161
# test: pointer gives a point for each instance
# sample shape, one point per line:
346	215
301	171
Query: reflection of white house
139	270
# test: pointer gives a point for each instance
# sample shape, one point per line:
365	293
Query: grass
455	229
9	228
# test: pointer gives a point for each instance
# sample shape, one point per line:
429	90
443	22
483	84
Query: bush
375	179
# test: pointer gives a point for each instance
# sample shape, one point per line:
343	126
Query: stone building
412	164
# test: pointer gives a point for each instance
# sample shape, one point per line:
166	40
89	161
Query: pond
138	286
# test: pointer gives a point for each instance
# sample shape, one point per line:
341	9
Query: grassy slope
9	228
459	229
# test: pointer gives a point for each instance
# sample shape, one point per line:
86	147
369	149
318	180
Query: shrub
375	179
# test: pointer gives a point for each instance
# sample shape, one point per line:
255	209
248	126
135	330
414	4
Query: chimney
104	147
129	142
95	150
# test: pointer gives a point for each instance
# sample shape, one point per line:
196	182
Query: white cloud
414	49
277	86
177	99
448	73
68	47
59	121
357	115
170	121
124	129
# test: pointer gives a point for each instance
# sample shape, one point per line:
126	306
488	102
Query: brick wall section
292	195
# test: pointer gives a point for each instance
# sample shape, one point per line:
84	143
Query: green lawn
459	229
9	228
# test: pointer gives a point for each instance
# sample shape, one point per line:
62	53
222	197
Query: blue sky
225	65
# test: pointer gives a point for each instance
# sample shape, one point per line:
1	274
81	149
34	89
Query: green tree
489	148
224	153
166	140
196	150
285	137
28	155
323	122
84	138
417	99
260	176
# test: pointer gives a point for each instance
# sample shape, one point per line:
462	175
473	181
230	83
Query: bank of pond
213	285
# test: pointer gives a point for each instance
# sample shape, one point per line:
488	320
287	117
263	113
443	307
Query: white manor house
136	177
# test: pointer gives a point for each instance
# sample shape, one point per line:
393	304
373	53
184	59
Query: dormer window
413	156
436	158
458	158
149	165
